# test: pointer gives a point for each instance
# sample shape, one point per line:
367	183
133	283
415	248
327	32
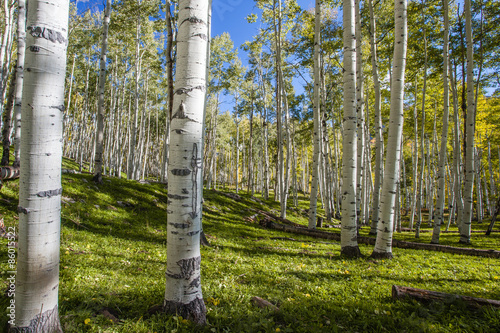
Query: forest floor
113	257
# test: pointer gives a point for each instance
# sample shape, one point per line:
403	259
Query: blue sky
230	16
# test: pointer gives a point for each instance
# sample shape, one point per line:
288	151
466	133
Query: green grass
113	258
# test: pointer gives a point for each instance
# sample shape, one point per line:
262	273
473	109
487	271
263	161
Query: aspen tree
40	188
439	217
316	112
98	166
379	149
349	243
183	287
360	111
383	244
21	42
465	229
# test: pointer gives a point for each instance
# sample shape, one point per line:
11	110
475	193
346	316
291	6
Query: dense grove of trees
398	108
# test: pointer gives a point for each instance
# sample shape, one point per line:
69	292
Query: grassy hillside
113	255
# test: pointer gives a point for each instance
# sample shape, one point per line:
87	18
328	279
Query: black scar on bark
381	255
44	322
193	20
192	233
351	252
34	49
176	197
180	114
180	225
182	91
194	310
23	210
188	267
45	33
195	283
181	172
59	107
49	193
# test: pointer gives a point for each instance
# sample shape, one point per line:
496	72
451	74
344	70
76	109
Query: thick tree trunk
40	188
383	246
183	288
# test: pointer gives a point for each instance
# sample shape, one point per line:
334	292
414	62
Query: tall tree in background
379	145
349	243
21	42
316	111
41	153
439	217
183	287
470	122
383	245
99	154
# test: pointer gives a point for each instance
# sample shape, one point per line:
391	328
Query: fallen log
302	230
445	231
400	292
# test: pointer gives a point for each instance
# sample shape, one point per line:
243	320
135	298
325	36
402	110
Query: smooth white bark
98	166
183	287
316	112
439	217
349	243
470	121
383	245
41	154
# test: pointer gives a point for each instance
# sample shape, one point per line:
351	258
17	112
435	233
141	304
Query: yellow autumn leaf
87	321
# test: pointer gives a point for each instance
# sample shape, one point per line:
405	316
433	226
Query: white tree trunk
99	156
465	229
21	42
183	288
379	149
383	245
439	217
316	112
41	155
349	232
360	110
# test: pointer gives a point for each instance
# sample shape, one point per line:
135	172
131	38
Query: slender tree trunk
21	42
439	217
7	121
465	230
383	245
134	120
40	188
316	113
349	243
360	111
100	109
457	156
379	149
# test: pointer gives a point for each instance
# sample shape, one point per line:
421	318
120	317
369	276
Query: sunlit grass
113	256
